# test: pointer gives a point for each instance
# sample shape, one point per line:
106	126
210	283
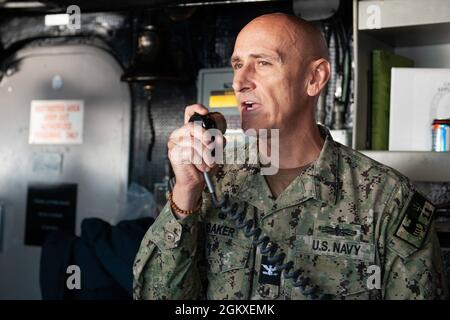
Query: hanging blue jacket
104	254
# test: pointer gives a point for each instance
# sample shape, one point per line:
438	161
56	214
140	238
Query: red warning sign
56	122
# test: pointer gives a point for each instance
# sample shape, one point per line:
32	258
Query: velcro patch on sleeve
417	218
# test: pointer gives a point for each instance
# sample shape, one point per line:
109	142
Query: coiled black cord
268	247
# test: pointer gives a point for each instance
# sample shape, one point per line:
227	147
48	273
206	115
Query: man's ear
320	73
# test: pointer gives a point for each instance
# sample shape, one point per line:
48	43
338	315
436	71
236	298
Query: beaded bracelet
178	209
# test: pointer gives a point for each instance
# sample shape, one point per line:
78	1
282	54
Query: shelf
409	36
416	165
401	13
419	30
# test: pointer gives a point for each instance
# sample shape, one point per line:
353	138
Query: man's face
269	77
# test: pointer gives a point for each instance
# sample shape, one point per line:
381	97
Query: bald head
292	32
280	66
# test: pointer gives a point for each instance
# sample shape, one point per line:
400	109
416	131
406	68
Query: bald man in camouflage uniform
354	228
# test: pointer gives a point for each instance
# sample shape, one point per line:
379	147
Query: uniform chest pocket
341	278
335	270
225	254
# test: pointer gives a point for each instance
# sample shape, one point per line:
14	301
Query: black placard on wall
49	208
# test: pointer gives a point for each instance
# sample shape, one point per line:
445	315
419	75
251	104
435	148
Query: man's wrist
186	199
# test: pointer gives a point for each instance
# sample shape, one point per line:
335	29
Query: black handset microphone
213	120
217	121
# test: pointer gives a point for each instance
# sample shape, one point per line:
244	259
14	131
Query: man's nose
243	80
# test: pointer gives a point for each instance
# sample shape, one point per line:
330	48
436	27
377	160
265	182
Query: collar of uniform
325	171
320	181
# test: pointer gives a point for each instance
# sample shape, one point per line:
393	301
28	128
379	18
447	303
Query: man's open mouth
249	105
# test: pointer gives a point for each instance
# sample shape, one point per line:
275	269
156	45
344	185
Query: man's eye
263	63
237	66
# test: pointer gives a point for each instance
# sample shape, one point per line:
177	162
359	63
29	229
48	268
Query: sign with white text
56	122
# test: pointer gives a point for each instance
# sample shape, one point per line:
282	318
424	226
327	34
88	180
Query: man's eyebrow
234	59
276	57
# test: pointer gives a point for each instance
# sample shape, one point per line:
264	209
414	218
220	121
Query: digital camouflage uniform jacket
337	220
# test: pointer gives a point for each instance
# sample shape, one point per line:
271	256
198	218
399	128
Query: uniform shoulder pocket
413	229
